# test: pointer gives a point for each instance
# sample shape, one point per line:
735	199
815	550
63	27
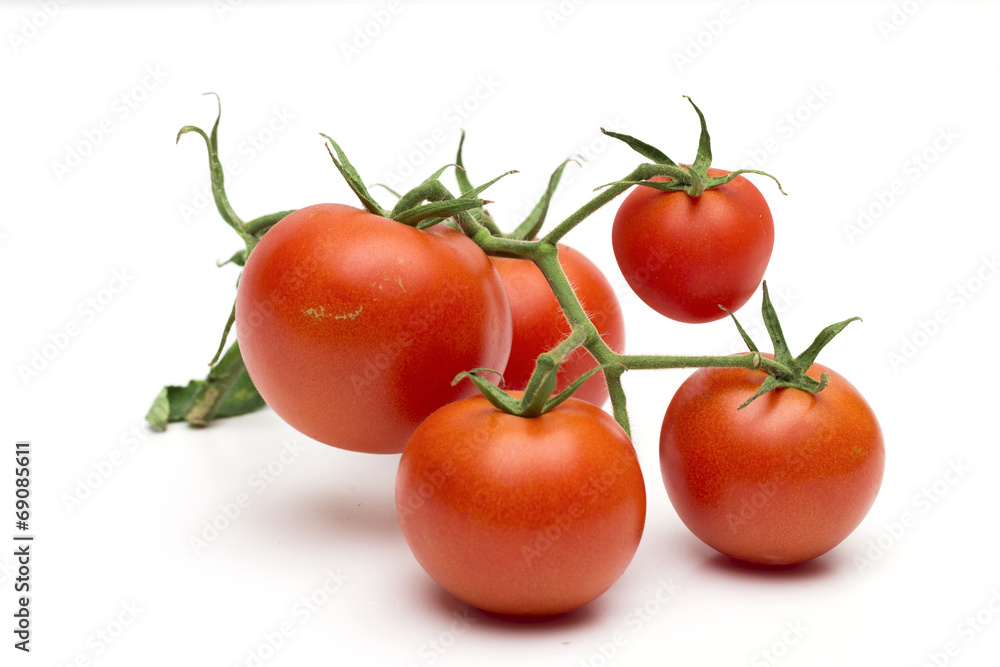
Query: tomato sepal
410	209
352	177
692	179
642	148
537	398
576	384
786	371
531	225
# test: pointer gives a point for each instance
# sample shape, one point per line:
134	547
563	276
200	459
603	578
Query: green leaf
743	333
159	412
703	159
476	191
438	209
437	174
571	389
808	356
242	398
680	179
781	352
442	204
528	229
259	226
642	148
387	188
464	184
541	384
716	181
239	258
500	399
352	177
769	383
226	392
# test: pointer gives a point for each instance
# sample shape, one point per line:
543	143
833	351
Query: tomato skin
539	322
781	481
352	326
521	516
684	256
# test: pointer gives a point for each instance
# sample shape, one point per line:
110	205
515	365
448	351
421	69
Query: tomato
521	516
684	256
781	481
352	326
539	322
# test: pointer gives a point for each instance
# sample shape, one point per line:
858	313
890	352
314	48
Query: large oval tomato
539	322
521	516
781	481
353	326
684	256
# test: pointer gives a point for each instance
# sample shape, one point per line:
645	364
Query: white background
844	102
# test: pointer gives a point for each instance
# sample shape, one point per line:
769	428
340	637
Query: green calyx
532	224
785	370
537	398
693	178
425	205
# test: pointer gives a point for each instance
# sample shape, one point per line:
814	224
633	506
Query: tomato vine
227	390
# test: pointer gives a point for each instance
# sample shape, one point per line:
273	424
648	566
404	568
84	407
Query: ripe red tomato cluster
353	326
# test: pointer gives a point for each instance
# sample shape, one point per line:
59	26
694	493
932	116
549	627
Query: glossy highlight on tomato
685	256
521	516
353	326
781	481
539	323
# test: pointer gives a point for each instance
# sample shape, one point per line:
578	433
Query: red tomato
684	256
521	516
353	326
539	323
781	481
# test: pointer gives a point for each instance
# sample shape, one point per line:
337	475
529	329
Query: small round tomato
353	326
539	322
781	481
521	516
684	256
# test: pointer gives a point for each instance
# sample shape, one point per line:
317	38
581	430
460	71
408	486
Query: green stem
545	255
258	226
613	378
640	173
697	186
542	382
749	360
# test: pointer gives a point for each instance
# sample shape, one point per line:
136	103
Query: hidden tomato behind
539	323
